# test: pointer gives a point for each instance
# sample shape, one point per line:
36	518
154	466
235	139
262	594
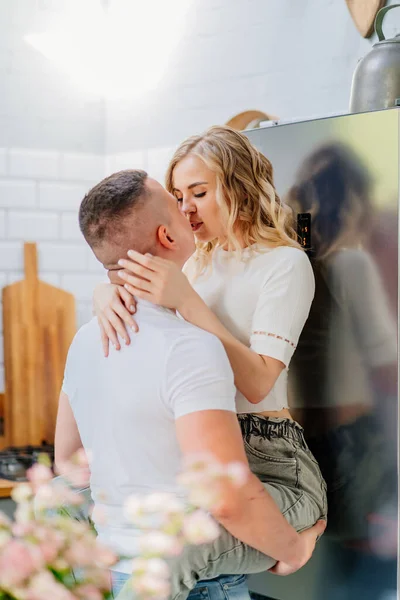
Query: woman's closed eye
201	195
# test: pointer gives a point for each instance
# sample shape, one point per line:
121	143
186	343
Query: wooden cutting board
39	323
363	13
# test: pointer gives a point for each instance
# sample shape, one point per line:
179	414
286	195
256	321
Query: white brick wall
32	226
40	193
17	194
61	196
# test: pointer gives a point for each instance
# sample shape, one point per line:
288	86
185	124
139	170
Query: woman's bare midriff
277	414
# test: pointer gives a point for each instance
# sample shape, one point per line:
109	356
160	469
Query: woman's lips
196	226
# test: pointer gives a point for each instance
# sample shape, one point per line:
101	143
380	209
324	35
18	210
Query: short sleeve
198	375
283	307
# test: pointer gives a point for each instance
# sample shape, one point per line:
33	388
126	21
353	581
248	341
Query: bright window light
122	52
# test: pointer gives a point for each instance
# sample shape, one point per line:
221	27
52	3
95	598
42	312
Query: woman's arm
162	282
113	306
255	374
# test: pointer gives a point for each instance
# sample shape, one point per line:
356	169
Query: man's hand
309	539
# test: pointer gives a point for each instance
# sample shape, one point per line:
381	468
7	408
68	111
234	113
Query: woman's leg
279	456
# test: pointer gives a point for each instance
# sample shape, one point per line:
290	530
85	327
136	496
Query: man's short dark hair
104	207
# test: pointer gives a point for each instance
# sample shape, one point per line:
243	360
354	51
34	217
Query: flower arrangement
44	553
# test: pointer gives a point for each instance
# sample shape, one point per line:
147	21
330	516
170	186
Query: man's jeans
227	587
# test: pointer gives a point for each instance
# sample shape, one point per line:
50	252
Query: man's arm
67	438
248	513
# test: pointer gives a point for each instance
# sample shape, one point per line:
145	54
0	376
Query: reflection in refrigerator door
344	173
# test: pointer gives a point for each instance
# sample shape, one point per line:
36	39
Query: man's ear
165	237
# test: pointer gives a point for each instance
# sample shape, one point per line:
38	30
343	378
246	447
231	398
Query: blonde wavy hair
249	205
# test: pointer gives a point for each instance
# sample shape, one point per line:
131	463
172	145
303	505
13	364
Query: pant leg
118	581
225	555
279	456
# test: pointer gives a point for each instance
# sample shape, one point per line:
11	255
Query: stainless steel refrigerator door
343	379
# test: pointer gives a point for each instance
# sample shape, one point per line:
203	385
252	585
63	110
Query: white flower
133	509
22	493
158	543
163	503
200	528
148	586
238	473
151	566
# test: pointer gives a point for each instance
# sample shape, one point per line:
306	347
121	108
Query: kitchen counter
6	488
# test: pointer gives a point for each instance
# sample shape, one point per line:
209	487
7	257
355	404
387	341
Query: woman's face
195	188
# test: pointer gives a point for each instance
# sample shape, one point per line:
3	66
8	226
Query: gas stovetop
15	461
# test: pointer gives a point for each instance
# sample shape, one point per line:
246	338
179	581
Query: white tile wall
40	194
82	167
34	163
17	194
3	161
70	227
2	224
61	196
32	226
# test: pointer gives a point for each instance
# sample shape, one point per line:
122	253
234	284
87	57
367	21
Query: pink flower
44	586
79	554
54	496
158	543
39	475
77	469
200	528
17	563
104	556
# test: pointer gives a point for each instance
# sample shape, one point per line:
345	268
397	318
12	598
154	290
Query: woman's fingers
117	325
136	282
105	342
132	267
127	299
139	293
110	332
119	309
146	260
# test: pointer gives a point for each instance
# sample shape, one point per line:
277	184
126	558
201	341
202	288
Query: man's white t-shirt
126	405
263	298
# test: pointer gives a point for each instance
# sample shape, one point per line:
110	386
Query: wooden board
244	119
363	13
6	487
39	323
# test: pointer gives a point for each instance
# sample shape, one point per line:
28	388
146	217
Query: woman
250	284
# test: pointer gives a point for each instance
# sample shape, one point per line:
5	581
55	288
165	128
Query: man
167	395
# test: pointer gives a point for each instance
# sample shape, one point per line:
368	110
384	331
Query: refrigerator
340	176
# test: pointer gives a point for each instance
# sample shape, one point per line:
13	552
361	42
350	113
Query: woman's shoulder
288	256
